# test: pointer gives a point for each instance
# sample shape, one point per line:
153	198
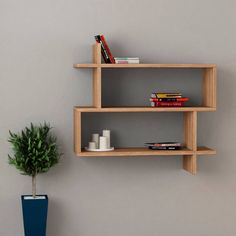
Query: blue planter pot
35	215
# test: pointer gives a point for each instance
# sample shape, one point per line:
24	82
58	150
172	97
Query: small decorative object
100	143
107	133
99	150
35	151
92	145
95	138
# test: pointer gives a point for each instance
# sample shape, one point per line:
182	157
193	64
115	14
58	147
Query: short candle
102	142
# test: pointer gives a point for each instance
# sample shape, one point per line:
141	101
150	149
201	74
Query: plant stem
34	186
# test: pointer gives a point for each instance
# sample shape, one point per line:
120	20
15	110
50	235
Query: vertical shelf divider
209	87
77	131
97	76
190	139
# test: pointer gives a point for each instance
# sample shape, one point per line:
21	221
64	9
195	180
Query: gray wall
39	42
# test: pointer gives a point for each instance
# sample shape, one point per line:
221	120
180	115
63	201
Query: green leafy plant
35	151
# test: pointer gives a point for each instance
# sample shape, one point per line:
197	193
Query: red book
107	49
103	50
169	99
167	104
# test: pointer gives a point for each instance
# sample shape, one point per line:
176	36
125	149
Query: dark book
164	144
164	148
167	104
111	58
103	50
166	95
169	99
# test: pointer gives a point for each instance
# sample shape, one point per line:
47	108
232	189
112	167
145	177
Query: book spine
126	62
168	93
111	58
164	148
155	95
126	58
166	104
169	99
103	51
166	145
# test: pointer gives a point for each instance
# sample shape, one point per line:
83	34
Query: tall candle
102	142
95	138
107	133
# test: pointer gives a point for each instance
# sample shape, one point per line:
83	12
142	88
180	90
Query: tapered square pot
35	214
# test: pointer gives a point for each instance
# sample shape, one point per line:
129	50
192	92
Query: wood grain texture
190	163
142	151
85	66
205	151
190	140
152	65
77	131
209	87
97	77
137	151
143	109
190	130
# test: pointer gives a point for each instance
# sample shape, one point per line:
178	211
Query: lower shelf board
143	109
142	151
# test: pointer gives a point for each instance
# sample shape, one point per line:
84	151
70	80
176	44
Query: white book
126	58
127	62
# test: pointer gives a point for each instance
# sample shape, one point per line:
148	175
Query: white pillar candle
92	145
95	138
107	133
102	142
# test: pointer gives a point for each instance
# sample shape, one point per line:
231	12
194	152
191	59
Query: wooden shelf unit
190	152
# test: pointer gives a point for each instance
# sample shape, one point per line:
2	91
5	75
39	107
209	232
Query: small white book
126	58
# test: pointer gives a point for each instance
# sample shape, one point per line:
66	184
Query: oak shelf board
205	151
160	66
84	66
144	151
143	109
136	151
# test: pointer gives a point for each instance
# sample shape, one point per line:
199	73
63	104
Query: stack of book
107	55
126	60
164	146
106	52
167	100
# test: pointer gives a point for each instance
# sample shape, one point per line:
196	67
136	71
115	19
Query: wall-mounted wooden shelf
191	151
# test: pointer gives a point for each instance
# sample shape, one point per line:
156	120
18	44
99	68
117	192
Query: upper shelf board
160	66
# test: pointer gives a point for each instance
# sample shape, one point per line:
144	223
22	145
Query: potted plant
35	151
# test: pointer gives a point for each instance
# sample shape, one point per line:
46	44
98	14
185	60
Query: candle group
101	142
